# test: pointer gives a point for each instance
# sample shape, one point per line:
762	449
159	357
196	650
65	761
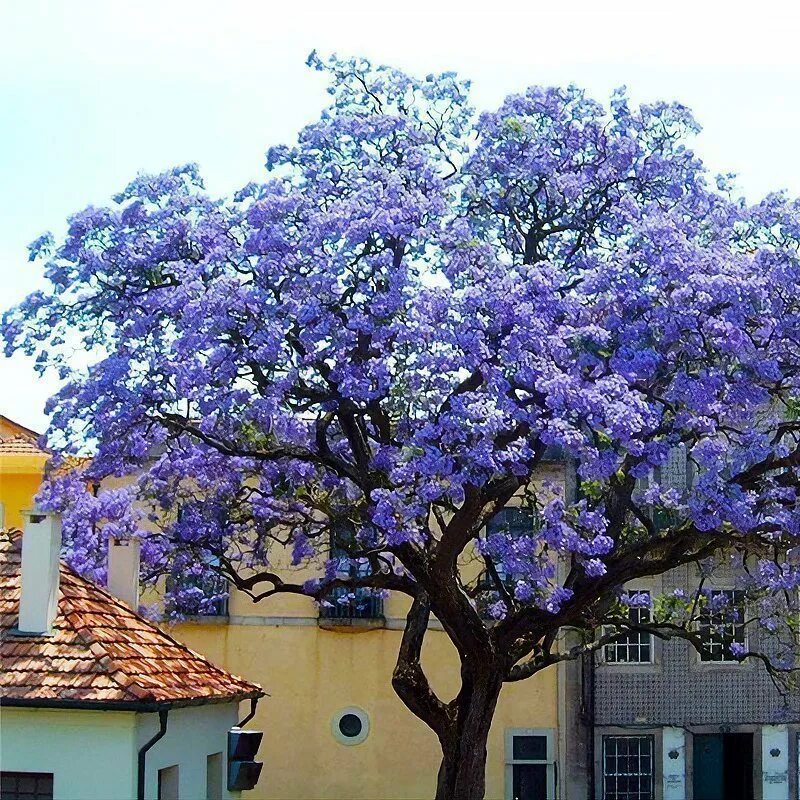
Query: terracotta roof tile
20	444
99	650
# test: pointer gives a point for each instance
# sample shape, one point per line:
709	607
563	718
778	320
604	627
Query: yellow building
321	670
329	677
21	466
325	666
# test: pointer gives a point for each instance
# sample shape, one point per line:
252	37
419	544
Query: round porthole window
350	725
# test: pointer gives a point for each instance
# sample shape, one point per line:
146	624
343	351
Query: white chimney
41	547
123	570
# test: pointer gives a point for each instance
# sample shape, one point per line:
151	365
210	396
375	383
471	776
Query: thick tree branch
408	679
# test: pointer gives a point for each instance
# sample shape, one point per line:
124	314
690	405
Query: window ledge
335	623
722	666
629	668
206	619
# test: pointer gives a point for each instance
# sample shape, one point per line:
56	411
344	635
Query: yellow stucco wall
20	475
19	482
311	673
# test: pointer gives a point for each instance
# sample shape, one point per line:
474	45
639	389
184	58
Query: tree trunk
461	725
462	774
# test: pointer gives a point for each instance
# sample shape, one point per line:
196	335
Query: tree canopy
389	333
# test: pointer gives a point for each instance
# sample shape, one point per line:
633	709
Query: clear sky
93	92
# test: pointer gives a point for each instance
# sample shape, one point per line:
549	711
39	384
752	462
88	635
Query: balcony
208	600
364	609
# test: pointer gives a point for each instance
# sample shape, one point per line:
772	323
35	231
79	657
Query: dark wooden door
709	773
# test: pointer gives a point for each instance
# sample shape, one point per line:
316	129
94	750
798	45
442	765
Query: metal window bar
219	606
363	605
628	768
487	594
512	521
342	602
677	472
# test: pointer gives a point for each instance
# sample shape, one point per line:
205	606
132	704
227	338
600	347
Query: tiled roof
9	427
20	444
99	651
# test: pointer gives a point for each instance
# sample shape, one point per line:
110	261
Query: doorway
723	766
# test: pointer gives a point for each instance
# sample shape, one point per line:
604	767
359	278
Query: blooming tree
387	337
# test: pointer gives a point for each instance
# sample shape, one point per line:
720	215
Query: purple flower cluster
411	309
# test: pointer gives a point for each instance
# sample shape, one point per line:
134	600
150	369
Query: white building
98	703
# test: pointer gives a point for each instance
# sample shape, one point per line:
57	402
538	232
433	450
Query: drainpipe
591	709
162	719
253	704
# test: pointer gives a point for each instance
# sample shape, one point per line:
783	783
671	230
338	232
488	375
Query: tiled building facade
647	719
657	721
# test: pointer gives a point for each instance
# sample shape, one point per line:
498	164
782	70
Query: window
530	773
168	779
214	776
632	647
628	768
26	785
721	624
513	522
202	595
341	601
677	472
207	594
350	725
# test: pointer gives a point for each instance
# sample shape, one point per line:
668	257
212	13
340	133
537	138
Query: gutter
141	706
142	759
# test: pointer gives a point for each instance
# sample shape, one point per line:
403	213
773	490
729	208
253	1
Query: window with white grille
721	625
628	768
632	647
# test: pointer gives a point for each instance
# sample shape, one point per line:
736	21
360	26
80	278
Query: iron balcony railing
363	604
214	587
217	608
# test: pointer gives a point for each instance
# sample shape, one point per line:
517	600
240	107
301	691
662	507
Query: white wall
673	741
775	762
91	753
192	735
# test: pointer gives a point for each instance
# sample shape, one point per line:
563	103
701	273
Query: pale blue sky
93	92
